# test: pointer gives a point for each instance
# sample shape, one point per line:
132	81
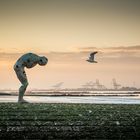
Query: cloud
128	54
121	51
87	48
9	56
124	48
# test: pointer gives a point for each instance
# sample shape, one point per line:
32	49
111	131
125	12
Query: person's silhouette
28	60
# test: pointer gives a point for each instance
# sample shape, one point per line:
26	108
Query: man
28	60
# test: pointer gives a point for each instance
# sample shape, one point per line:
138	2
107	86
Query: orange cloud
108	55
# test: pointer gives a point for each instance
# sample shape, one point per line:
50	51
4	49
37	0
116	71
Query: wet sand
74	99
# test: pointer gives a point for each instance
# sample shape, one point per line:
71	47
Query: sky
66	31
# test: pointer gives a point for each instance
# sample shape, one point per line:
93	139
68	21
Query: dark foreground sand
69	121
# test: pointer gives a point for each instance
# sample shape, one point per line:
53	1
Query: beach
75	99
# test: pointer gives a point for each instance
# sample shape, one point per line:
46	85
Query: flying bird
91	58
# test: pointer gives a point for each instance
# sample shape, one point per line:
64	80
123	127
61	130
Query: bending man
28	60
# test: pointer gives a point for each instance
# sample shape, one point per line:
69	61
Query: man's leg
22	90
21	75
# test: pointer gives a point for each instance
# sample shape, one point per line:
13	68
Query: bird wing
93	53
92	56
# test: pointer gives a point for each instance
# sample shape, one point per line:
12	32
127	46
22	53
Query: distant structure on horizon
58	86
115	84
98	86
92	85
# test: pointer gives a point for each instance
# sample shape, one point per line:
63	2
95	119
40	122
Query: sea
102	97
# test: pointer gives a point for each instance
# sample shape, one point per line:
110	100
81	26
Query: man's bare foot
22	101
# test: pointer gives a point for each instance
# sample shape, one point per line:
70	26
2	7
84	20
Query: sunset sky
66	31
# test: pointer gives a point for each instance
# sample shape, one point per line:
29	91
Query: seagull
91	58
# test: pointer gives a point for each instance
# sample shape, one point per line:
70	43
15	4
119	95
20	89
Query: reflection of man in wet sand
28	60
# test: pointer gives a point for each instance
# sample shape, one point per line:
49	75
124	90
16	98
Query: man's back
28	60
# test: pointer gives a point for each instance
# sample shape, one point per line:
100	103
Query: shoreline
74	99
60	93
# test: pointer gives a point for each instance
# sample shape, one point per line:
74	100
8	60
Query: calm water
75	99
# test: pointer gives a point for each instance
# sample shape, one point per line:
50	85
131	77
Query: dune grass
69	121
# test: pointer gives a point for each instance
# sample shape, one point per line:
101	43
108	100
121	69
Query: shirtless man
28	60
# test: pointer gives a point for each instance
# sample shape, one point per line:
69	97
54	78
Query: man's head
42	61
